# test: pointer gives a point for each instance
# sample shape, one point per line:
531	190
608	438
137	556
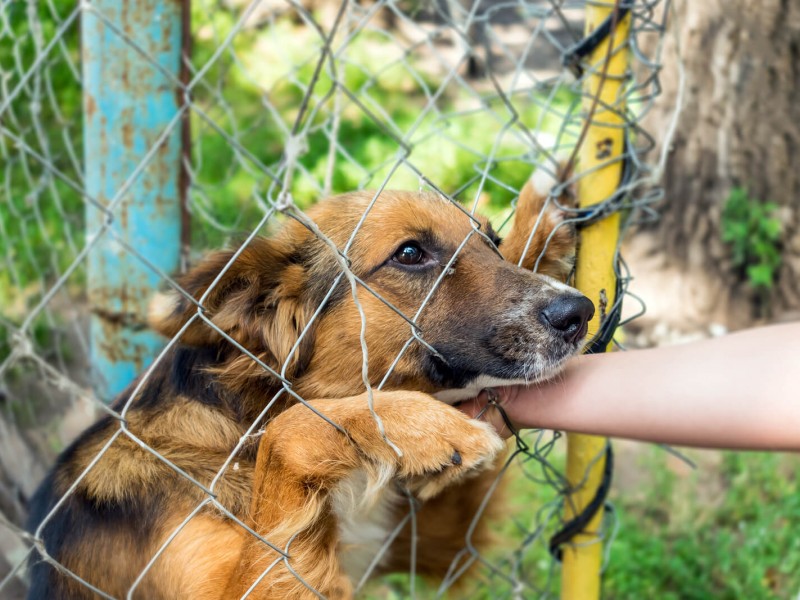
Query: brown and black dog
326	498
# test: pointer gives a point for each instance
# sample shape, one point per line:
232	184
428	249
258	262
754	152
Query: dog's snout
569	316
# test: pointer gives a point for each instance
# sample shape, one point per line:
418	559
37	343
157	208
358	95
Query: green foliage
753	232
388	98
726	530
721	532
40	215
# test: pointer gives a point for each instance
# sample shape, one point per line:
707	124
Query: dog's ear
260	300
547	242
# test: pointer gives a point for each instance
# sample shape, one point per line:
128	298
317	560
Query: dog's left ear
259	299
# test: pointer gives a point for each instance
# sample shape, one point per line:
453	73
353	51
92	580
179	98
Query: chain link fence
288	103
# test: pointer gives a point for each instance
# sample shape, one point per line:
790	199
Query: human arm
740	391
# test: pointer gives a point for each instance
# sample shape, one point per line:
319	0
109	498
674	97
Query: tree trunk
740	127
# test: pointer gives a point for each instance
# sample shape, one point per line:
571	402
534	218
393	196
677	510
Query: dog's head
430	322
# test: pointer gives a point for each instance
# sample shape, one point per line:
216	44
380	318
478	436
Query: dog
247	489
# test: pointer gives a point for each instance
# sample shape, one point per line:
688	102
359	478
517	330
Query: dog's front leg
304	464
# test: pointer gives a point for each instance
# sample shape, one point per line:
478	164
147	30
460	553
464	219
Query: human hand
738	391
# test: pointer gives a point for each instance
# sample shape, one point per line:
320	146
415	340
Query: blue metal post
128	105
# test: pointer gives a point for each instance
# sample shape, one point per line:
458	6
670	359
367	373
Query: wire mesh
290	103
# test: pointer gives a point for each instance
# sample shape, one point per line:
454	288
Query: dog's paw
542	237
457	448
435	445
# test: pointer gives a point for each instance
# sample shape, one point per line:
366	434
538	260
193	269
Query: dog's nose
569	316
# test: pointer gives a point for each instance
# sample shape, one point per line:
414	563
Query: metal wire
289	103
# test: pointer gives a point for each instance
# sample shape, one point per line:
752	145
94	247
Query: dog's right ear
235	301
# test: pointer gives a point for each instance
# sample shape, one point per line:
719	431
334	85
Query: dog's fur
326	499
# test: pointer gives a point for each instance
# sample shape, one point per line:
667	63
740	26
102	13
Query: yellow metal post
595	276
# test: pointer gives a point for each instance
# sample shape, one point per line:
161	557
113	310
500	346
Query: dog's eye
409	253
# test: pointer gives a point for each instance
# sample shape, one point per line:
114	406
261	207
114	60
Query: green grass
739	541
727	530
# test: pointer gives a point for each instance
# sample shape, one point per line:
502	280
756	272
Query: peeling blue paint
128	104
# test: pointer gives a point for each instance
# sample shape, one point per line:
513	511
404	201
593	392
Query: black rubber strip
606	333
572	58
578	523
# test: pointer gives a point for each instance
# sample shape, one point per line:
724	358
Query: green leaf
761	276
772	228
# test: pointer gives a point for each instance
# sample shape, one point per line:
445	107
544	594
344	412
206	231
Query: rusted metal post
129	106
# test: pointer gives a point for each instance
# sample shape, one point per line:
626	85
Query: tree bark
740	126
